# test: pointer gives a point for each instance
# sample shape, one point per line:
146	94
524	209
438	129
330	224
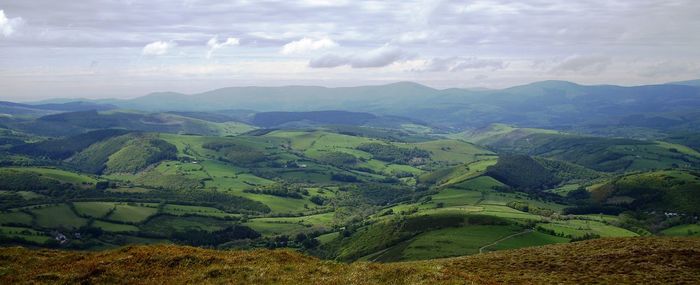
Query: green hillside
124	154
670	190
597	153
73	123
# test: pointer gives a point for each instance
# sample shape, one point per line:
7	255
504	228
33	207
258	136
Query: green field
94	209
683	230
565	189
454	152
25	234
325	219
528	239
578	228
456	197
57	216
26	195
132	213
15	217
457	175
479	183
326	238
273	228
169	224
58	174
507	212
447	242
179	210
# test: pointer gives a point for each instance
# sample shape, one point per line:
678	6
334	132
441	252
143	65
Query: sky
128	48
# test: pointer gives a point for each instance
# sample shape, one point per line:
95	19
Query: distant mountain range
695	82
549	104
11	108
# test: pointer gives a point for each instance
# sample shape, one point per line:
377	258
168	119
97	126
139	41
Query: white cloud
379	57
455	63
157	48
412	37
323	3
214	44
308	44
9	26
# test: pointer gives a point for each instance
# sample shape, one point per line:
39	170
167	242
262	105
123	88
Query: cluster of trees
16	180
593	209
198	237
217	199
301	239
94	158
522	173
318	200
280	190
525	207
236	153
340	177
592	152
67	147
139	153
585	236
392	153
567	171
338	159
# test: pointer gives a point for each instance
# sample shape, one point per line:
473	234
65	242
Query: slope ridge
606	261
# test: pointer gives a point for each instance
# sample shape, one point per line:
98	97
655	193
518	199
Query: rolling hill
695	82
598	153
549	104
669	191
313	119
73	123
10	108
606	261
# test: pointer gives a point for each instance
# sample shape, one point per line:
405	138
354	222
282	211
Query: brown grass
610	261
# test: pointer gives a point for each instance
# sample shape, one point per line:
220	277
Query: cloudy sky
127	48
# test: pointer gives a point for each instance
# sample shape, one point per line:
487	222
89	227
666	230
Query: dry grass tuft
612	261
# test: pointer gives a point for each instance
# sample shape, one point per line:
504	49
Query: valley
337	185
350	142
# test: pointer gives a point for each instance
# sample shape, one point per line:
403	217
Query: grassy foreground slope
607	261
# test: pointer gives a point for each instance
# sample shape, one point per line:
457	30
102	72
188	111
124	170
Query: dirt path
481	249
379	254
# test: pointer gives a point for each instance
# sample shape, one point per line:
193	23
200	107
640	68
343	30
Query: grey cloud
379	57
58	34
593	63
670	69
538	25
329	61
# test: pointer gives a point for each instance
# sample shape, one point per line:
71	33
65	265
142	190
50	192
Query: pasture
132	213
57	216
